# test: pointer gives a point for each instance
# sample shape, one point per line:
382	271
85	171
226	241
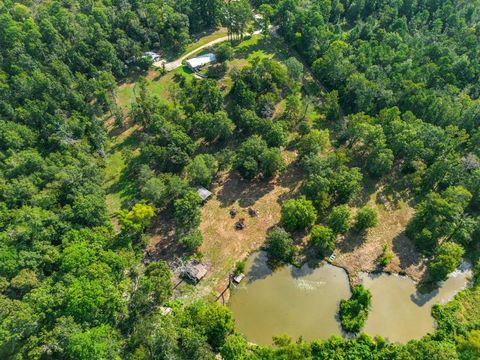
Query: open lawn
157	85
122	146
205	39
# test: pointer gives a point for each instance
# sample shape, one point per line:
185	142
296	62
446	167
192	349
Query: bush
386	257
298	214
279	245
239	267
339	219
447	257
224	52
323	238
192	240
354	311
202	169
366	218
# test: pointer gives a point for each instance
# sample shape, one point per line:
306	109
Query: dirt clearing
360	253
223	245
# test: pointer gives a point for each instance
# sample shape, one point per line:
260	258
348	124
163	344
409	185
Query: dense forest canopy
403	80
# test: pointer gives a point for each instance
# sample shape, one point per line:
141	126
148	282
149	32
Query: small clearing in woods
223	245
360	253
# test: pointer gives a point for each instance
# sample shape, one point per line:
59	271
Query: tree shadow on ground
245	191
163	243
405	250
368	187
350	241
291	179
260	268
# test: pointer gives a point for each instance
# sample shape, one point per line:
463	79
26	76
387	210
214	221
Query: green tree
155	191
339	219
18	321
279	245
298	214
313	142
154	287
191	240
446	259
235	348
295	68
101	342
331	106
224	52
354	311
237	16
438	216
267	11
323	238
187	212
137	219
365	218
202	170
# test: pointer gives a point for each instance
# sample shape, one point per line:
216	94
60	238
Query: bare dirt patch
360	253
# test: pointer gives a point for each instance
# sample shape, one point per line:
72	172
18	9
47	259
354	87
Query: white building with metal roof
202	60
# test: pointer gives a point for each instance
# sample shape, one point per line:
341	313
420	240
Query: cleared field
361	252
223	245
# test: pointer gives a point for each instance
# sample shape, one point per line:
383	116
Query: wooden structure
194	272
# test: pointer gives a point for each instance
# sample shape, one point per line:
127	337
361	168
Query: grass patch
223	245
222	32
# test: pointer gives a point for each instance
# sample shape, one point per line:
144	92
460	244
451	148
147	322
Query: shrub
354	311
279	245
386	257
192	240
298	214
339	219
323	238
366	218
239	267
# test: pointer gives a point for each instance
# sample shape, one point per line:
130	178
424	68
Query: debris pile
240	224
252	212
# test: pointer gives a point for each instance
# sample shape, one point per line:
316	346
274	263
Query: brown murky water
399	313
304	302
297	302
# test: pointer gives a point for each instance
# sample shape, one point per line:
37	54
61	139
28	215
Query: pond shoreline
303	300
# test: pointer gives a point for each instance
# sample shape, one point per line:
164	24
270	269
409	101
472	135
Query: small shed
194	272
203	193
237	279
199	61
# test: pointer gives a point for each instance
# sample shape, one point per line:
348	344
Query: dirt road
177	63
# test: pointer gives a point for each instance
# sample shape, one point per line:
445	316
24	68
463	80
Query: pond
304	302
399	312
